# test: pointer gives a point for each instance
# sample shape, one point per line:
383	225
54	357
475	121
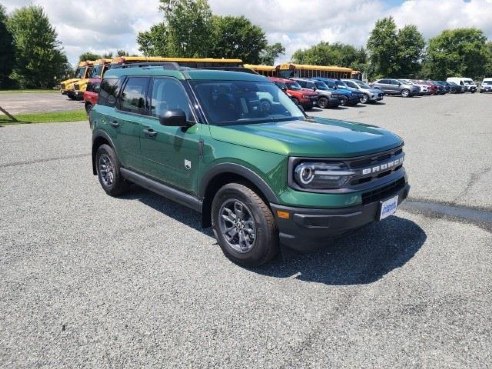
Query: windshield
362	84
97	71
240	102
341	84
487	82
293	86
351	84
321	85
80	72
468	81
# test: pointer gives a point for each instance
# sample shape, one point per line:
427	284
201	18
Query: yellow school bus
184	62
290	70
264	70
83	71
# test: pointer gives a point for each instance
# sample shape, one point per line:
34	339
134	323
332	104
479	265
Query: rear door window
133	96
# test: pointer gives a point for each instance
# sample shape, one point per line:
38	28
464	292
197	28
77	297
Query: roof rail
166	65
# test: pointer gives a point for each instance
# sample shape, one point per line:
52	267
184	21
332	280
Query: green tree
383	49
186	30
270	53
155	41
457	52
89	55
488	65
236	37
7	56
410	50
325	53
189	26
40	60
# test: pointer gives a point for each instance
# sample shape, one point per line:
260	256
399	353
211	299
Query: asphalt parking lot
35	102
90	281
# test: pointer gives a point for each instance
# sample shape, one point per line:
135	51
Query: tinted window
132	97
110	88
167	94
302	83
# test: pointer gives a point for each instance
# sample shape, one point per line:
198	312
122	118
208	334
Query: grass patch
29	91
57	116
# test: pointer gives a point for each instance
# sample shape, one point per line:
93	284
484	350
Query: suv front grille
383	192
376	166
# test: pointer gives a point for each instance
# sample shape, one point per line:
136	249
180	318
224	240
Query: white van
486	85
470	86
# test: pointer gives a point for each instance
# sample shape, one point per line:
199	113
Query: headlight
311	175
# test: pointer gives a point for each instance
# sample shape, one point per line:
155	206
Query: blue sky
105	26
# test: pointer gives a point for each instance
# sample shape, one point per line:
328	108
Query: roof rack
166	65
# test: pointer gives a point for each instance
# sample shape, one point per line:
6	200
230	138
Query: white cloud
104	26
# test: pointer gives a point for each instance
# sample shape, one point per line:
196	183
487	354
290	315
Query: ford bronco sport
260	171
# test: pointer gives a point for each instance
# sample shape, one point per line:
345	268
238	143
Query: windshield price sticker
388	207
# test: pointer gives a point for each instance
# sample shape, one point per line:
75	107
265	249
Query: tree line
392	52
32	57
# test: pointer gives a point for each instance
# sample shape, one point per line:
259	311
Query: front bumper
308	229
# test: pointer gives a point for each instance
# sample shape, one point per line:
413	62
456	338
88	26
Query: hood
319	138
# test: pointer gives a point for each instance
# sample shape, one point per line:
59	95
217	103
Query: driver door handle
115	123
150	132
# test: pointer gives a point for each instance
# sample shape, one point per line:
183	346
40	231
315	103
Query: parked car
441	88
258	177
327	98
423	87
470	86
370	94
307	99
431	87
355	91
393	86
91	94
347	97
486	85
455	89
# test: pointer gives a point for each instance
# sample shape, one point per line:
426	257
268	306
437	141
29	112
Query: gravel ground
90	281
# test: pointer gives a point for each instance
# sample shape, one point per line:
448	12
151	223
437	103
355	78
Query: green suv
235	148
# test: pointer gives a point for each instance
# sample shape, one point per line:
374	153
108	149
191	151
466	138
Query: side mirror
174	118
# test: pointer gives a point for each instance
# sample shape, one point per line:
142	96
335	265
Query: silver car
393	86
370	94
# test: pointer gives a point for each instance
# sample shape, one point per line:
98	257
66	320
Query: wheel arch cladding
231	173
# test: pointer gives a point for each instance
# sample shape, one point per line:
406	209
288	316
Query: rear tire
108	171
244	225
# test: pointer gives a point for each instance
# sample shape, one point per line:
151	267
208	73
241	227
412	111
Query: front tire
343	100
244	225
323	102
364	99
405	93
108	171
88	107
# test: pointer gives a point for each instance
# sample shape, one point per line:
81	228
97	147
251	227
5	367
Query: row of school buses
88	74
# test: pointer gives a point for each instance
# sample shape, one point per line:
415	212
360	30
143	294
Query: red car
304	97
91	93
